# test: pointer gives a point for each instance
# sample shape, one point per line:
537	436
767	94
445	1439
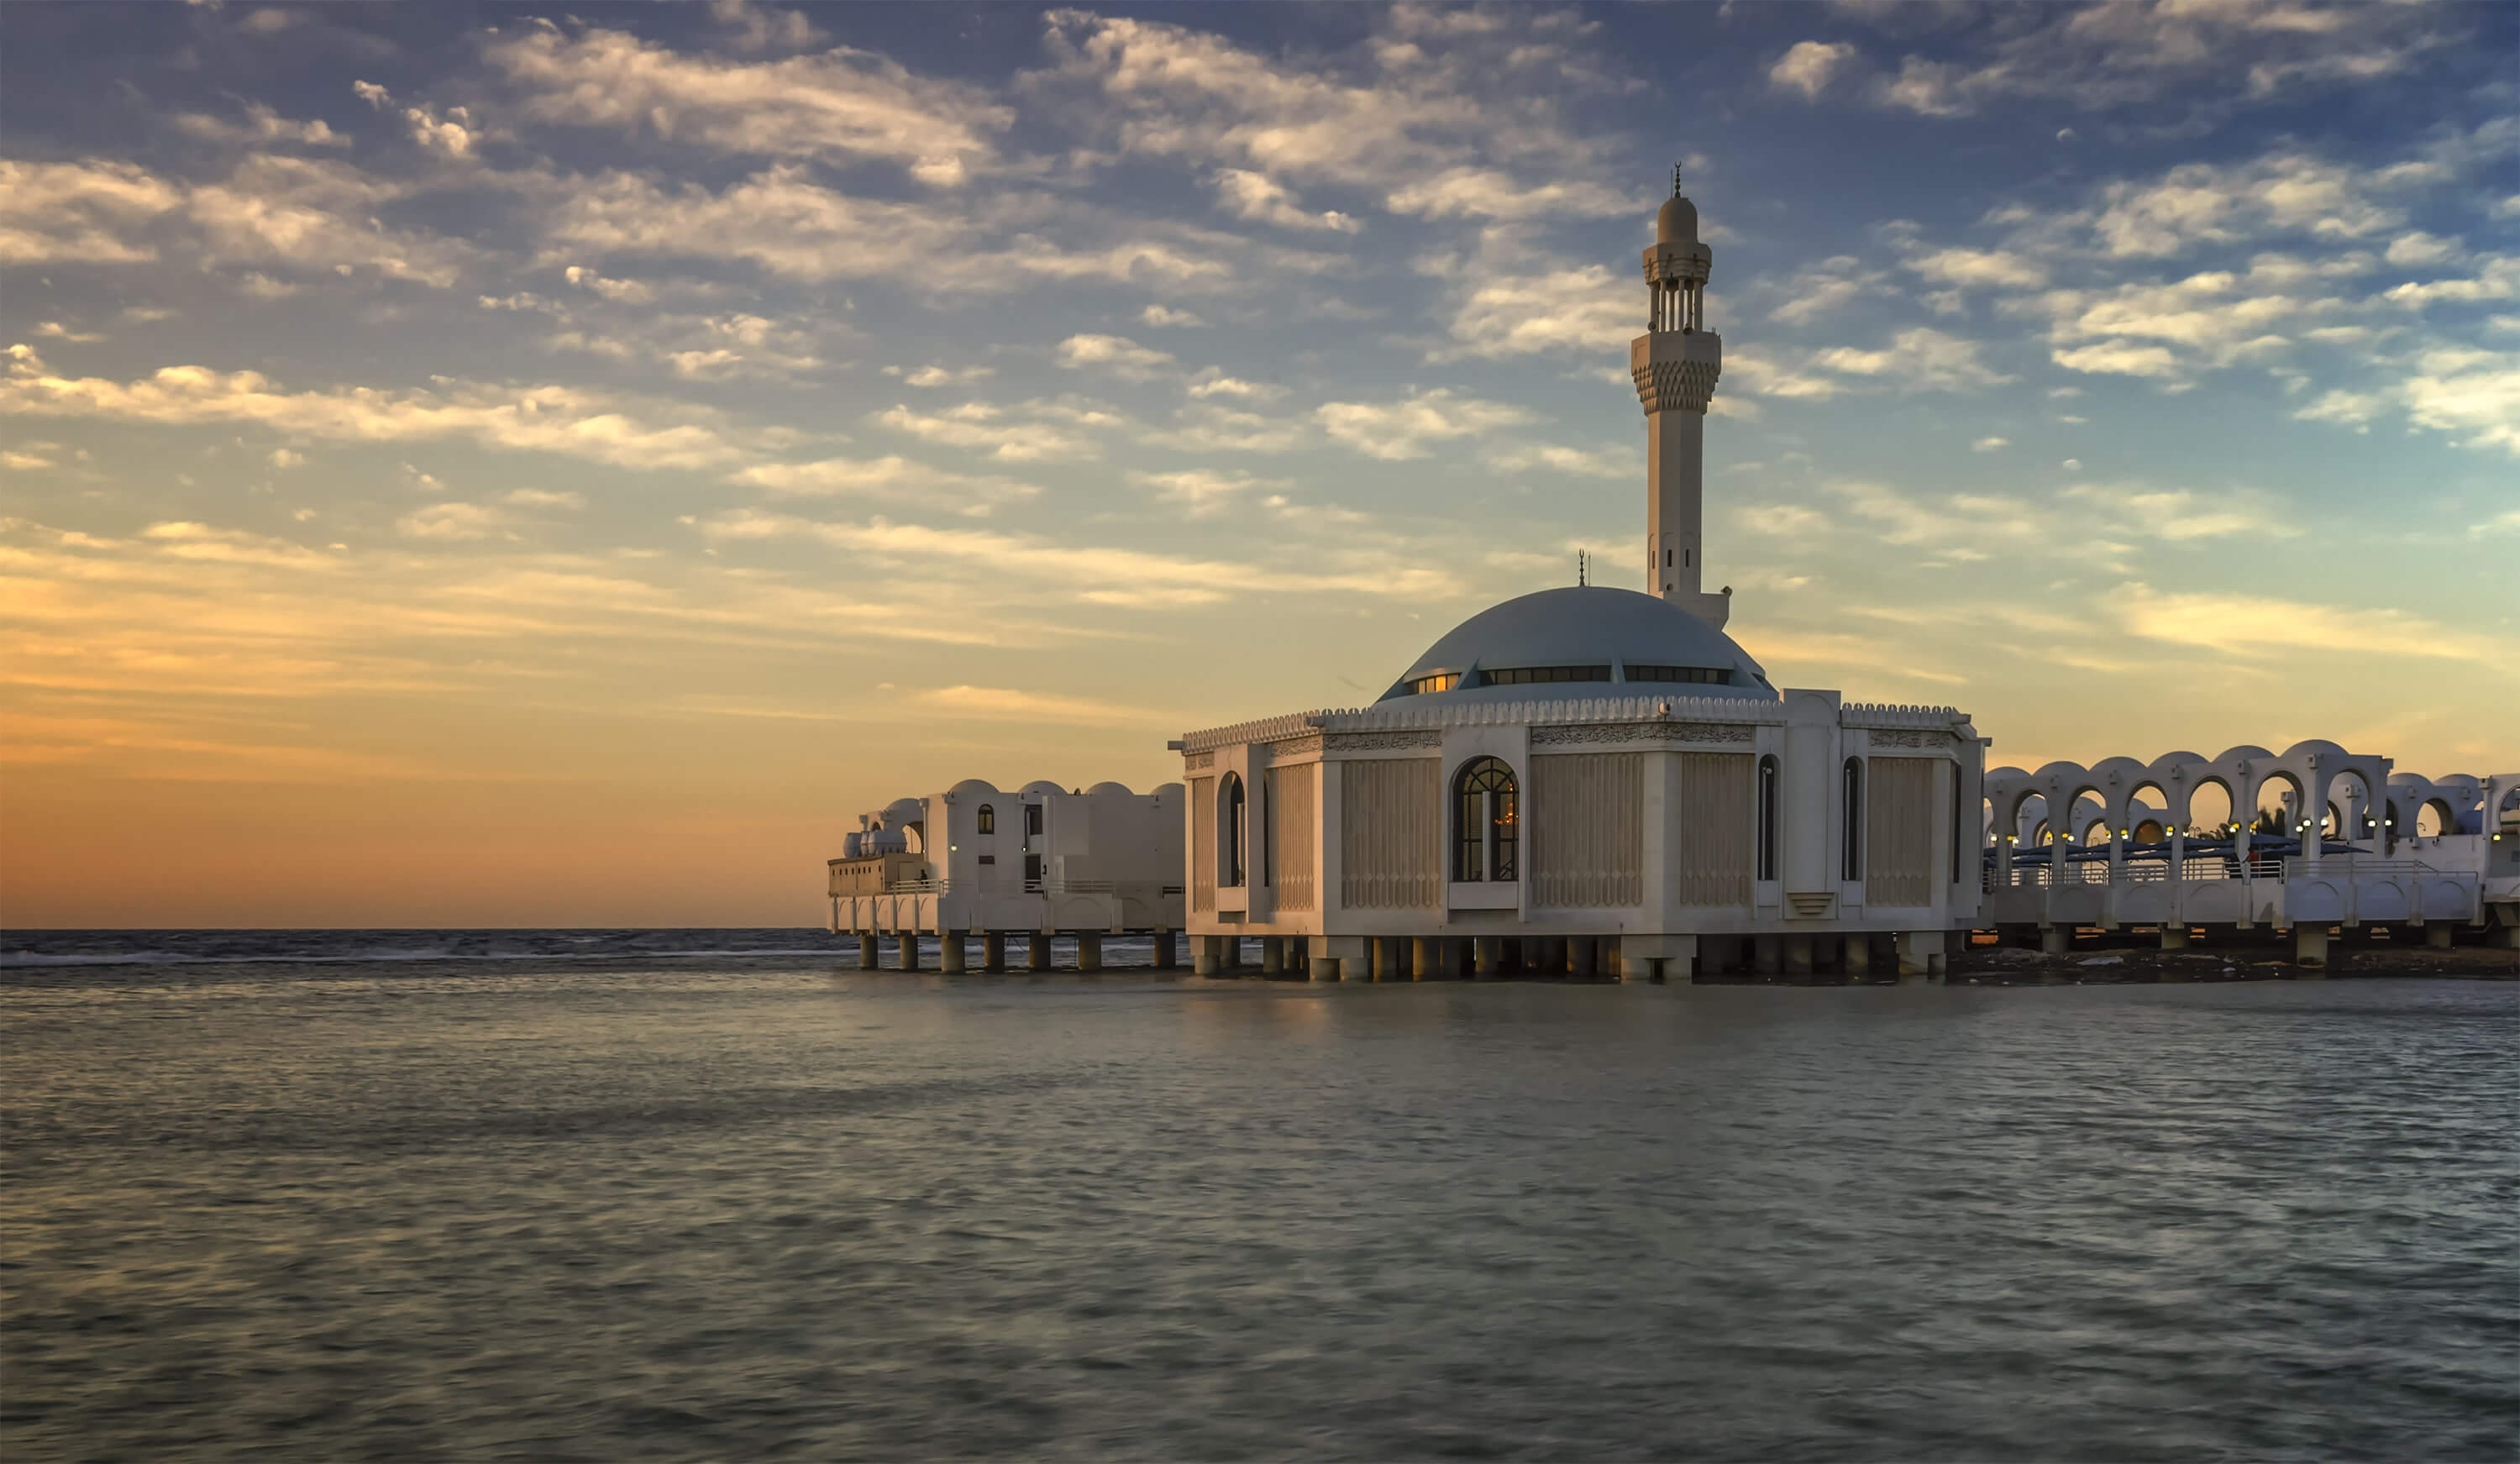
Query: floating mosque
1599	782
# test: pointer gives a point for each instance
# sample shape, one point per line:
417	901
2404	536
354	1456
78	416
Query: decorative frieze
1901	737
1197	760
1295	747
1640	731
1380	742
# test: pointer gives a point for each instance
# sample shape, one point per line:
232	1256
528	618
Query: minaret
1675	364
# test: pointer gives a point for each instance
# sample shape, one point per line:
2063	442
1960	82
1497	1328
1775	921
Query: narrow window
1854	818
1768	817
1486	830
1269	828
987	821
1233	825
1032	821
1666	558
1955	823
1032	872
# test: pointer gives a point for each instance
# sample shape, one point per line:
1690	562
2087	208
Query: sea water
715	1195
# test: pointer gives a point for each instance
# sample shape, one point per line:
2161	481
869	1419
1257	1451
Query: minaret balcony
1688	263
1675	369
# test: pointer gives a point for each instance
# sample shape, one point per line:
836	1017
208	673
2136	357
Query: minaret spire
1675	364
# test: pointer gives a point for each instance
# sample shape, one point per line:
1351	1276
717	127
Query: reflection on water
721	1209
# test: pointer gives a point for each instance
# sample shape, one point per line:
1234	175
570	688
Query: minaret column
1675	365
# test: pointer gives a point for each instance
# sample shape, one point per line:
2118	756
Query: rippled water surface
744	1206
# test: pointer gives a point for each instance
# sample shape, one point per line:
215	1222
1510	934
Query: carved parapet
1675	370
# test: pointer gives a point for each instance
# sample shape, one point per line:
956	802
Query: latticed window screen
1291	799
1719	837
1899	844
1203	838
1588	830
1391	833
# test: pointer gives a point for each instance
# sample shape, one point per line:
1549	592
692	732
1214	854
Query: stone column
2055	940
1325	969
1165	958
2174	936
868	946
1859	956
1272	956
993	952
1767	953
1426	958
1582	956
950	952
2310	947
2437	934
1485	953
1088	951
1202	955
1798	954
1037	952
909	949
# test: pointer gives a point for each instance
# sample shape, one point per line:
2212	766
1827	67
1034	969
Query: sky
521	466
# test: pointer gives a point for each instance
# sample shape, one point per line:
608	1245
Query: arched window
1485	826
1232	824
1768	817
1854	818
988	820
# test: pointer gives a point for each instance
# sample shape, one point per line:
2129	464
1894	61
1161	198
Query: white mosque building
1588	781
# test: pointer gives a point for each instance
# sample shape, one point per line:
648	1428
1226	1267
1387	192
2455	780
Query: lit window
988	820
1441	680
1486	831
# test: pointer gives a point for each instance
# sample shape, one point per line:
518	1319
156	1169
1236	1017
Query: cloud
1990	444
839	103
1199	492
1817	290
1808	66
1007	704
1919	359
1508	304
1165	315
1397	430
888	477
2246	625
1116	354
536	419
1255	197
262	127
1980	268
982	426
1575	462
458	522
82	211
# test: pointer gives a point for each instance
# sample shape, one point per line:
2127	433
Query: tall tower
1675	364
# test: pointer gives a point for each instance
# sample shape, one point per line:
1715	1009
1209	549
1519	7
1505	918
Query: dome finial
1675	180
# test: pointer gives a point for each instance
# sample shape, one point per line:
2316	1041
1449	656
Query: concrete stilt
1037	952
2173	938
1426	958
1859	956
869	944
1325	969
1088	951
907	945
1229	955
2310	947
952	953
1583	956
1165	958
1202	955
1767	953
1798	954
2437	935
993	952
2055	940
1272	956
1486	952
